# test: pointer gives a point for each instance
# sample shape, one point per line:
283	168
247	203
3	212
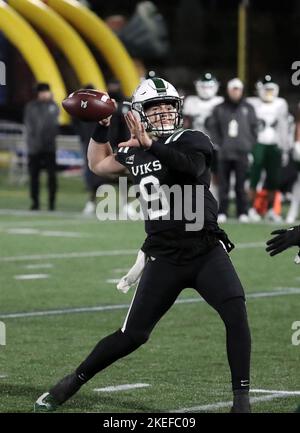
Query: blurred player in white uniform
273	141
295	201
198	108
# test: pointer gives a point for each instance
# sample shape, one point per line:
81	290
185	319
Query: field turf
185	360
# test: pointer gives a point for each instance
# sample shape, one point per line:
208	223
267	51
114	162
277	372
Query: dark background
202	36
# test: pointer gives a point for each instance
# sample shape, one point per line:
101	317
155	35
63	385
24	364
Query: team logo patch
83	104
129	159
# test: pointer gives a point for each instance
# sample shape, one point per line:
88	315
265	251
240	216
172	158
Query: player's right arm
101	158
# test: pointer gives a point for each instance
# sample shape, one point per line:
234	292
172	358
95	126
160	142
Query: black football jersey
182	159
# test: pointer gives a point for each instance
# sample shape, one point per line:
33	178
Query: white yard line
64	311
74	255
77	255
28	213
263	222
112	280
271	391
281	292
61	233
48	233
31	277
39	266
222	404
247	245
3	376
55	215
122	387
44	222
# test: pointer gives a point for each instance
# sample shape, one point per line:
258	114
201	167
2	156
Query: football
89	105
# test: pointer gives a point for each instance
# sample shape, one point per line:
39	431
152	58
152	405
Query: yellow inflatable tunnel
34	51
98	33
65	37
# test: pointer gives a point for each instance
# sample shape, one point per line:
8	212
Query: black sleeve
27	115
213	126
253	124
119	156
192	158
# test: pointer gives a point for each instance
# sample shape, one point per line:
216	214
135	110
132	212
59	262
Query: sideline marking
280	292
122	387
31	277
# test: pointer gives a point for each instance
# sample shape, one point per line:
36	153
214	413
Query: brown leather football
89	105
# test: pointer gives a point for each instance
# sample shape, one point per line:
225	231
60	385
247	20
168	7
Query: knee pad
233	312
137	337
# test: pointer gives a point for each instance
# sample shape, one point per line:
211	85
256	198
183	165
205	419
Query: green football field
58	298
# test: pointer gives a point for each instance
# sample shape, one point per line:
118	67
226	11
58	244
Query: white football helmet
206	86
154	91
267	89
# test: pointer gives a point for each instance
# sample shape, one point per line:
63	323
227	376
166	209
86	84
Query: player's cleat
89	209
241	409
66	387
254	215
59	393
243	218
34	206
241	402
45	403
273	217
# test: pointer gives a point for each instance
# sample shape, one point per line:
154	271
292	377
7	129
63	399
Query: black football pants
214	278
36	163
240	168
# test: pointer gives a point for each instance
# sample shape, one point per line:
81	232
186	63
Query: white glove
133	275
297	258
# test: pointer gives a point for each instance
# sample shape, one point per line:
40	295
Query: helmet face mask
152	100
267	90
207	86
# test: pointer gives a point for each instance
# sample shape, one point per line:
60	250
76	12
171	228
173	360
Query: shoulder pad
193	139
176	135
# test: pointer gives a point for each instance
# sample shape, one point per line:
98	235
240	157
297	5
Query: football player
158	153
273	140
293	212
284	239
198	108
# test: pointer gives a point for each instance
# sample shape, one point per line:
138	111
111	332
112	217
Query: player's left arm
192	160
